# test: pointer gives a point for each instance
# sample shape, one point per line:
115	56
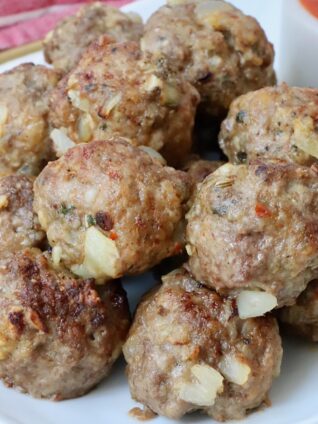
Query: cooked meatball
114	92
272	123
256	227
24	140
187	350
221	51
302	317
64	45
59	336
110	209
19	225
198	169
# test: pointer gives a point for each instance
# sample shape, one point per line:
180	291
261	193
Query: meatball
110	209
19	225
255	227
59	336
187	349
272	123
64	45
302	317
221	51
113	92
198	169
24	140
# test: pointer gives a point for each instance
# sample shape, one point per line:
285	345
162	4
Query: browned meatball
272	123
187	350
302	317
113	91
58	336
111	209
198	169
24	139
19	225
256	228
221	51
64	45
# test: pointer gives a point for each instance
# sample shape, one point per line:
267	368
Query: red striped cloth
22	22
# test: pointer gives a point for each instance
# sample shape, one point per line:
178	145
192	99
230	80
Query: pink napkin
22	22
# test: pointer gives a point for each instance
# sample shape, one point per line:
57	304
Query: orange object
311	6
113	235
262	211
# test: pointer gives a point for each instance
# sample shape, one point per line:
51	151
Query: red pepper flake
178	248
262	211
113	235
104	221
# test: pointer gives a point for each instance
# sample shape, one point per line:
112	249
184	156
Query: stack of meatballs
99	181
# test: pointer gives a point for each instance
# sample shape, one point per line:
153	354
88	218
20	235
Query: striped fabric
23	22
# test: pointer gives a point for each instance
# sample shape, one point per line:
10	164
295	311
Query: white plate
294	395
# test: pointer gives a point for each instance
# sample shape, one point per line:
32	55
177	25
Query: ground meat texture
221	51
64	45
113	91
19	225
302	317
274	122
24	140
198	169
112	202
59	335
182	333
255	227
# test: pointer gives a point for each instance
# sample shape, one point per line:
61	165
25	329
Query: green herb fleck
64	210
241	157
103	126
90	220
240	117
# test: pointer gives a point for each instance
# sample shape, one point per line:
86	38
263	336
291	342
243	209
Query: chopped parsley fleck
90	220
241	116
103	126
64	210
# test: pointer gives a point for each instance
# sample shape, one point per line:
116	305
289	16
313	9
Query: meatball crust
64	45
135	204
256	227
113	91
19	225
272	123
182	327
24	139
302	317
59	335
198	169
221	51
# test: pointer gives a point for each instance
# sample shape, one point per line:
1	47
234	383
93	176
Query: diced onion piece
56	255
4	201
85	127
61	142
305	137
152	83
206	9
110	105
170	95
255	303
78	101
3	118
153	153
100	256
234	370
203	391
188	249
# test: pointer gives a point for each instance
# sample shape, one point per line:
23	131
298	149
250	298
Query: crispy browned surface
113	92
19	225
133	199
64	45
302	317
223	52
256	227
181	324
198	169
268	123
24	95
59	336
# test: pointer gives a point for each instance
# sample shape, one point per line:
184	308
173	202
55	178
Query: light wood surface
10	54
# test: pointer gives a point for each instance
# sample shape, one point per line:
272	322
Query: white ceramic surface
294	395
